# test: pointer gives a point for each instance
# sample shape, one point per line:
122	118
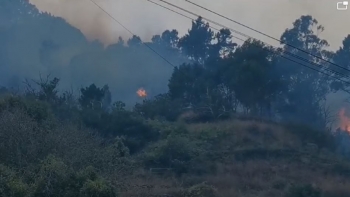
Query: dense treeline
254	78
217	77
192	139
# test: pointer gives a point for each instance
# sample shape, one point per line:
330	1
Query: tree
250	74
107	97
200	84
168	38
219	50
196	43
342	58
223	45
188	83
307	88
161	106
15	10
91	97
134	41
49	90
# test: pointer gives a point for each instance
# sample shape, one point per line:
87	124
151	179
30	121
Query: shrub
11	185
174	152
23	140
121	123
53	178
16	188
97	188
161	107
38	110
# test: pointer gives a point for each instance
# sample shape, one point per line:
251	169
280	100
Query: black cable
316	70
302	50
174	65
189	17
133	34
310	62
291	54
245	35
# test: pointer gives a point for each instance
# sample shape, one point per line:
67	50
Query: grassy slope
239	158
259	159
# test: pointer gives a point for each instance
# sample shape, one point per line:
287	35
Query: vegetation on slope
234	120
48	157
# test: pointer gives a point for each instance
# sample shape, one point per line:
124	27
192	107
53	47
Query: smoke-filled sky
146	19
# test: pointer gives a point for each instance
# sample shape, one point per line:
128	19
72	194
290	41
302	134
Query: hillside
41	156
205	114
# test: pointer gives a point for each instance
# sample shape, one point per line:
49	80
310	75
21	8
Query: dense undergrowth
45	155
186	136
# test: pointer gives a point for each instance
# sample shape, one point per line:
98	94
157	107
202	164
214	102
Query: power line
245	35
313	63
170	62
133	34
315	69
188	17
240	33
302	50
194	14
291	54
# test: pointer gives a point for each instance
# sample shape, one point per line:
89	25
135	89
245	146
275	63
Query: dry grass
257	177
261	134
247	178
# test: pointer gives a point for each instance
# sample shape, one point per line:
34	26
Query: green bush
174	152
16	188
120	123
97	188
89	173
23	140
56	179
11	185
53	178
38	110
160	107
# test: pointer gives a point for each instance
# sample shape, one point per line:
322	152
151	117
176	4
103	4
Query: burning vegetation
141	93
209	130
344	121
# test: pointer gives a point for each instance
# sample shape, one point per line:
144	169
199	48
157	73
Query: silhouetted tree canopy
224	119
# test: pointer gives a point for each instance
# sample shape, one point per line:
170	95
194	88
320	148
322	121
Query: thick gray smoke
146	19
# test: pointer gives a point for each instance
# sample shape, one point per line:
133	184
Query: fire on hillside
141	93
344	121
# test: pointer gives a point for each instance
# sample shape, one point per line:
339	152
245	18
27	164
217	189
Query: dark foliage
240	117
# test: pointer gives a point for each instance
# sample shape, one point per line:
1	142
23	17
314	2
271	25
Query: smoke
96	24
83	15
146	19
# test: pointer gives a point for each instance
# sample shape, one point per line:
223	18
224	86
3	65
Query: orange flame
344	121
141	92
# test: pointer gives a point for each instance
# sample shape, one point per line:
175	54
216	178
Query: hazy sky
146	19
